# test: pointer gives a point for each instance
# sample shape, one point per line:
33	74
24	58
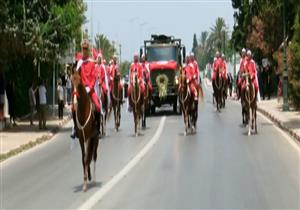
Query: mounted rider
191	77
250	68
196	68
88	79
146	73
136	67
218	64
224	68
241	71
100	69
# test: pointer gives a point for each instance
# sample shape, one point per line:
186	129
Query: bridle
80	126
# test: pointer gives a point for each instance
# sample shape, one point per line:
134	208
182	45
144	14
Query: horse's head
76	81
135	78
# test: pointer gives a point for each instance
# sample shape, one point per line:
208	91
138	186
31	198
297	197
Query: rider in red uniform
101	73
146	73
191	78
218	63
251	68
241	71
196	68
224	68
136	67
88	79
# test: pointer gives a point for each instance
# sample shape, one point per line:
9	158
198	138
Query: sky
129	22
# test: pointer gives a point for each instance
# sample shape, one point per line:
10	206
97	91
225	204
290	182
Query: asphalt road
219	167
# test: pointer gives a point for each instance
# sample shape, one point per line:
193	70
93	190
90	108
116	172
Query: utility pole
285	106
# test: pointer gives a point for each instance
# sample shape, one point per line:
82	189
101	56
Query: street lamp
285	106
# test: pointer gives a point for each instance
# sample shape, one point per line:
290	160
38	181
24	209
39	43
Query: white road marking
284	134
97	196
292	142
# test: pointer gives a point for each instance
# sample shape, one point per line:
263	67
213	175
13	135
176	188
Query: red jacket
251	68
87	74
189	72
146	71
136	67
242	64
196	69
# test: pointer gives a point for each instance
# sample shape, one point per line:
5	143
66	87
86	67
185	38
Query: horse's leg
85	167
185	122
249	120
95	147
255	118
82	146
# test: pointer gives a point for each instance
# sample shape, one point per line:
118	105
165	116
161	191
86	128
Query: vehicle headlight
176	80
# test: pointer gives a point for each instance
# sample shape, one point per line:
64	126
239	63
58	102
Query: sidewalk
272	109
24	136
288	121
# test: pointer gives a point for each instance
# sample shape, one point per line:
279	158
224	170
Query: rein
80	126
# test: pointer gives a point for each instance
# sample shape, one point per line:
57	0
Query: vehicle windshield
161	54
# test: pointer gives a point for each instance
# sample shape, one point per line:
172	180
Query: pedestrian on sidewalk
32	101
10	92
42	105
60	94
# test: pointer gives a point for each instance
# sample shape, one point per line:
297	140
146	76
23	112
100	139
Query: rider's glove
87	89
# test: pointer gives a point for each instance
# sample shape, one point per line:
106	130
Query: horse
86	128
136	101
104	115
218	89
239	93
146	105
250	105
189	107
116	100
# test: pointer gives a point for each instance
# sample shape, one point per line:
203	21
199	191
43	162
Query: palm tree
102	42
218	35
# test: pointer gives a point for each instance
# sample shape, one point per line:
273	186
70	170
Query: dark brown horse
249	102
218	89
116	100
86	129
189	107
104	114
136	101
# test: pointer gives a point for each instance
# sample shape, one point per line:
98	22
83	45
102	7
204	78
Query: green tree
195	44
103	43
294	79
219	35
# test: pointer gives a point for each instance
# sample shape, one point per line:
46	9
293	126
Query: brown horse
136	101
249	102
218	89
86	129
104	114
189	107
116	100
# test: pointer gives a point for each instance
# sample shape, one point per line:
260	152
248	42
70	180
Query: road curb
279	123
37	141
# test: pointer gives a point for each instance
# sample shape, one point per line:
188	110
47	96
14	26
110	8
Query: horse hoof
184	133
249	133
84	188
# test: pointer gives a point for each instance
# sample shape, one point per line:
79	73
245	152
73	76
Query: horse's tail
201	94
109	113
